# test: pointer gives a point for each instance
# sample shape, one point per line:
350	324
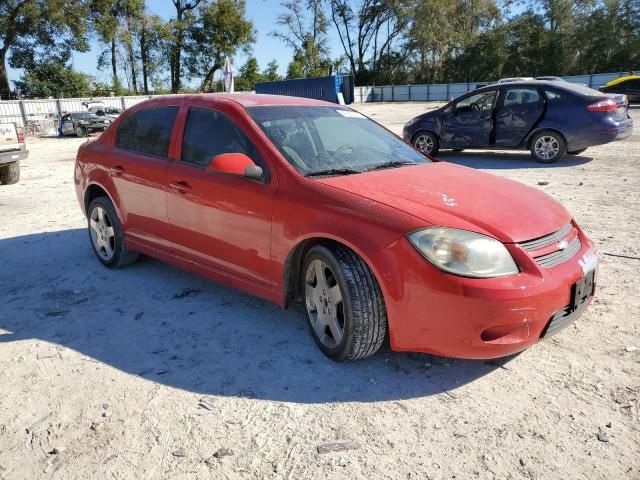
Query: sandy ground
151	372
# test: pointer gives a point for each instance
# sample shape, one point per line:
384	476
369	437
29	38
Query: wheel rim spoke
102	233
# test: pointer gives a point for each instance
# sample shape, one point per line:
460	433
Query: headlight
464	253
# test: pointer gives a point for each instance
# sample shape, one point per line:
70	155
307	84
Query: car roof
243	99
560	84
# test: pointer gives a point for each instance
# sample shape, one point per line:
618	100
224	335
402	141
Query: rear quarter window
147	131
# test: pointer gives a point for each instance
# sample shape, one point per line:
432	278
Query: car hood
459	197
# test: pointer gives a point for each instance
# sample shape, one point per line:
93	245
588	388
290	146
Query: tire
577	152
80	131
108	243
426	142
10	174
359	309
548	146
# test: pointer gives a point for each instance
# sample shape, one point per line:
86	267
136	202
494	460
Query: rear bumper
13	156
604	134
434	312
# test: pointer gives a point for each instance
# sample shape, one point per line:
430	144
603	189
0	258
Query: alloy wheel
323	299
547	147
424	143
102	233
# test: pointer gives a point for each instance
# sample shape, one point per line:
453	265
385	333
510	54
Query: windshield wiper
333	171
396	163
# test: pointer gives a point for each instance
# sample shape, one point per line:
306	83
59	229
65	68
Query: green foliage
218	30
248	76
270	74
53	78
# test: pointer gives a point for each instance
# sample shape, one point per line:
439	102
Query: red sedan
294	199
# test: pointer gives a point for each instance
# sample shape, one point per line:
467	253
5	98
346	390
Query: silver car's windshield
332	140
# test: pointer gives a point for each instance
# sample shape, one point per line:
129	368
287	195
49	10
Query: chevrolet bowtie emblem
562	245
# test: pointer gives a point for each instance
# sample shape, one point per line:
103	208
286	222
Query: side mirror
235	164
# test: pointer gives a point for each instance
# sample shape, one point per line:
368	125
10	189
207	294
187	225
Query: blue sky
262	13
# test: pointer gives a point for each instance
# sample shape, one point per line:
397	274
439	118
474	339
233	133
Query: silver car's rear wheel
323	299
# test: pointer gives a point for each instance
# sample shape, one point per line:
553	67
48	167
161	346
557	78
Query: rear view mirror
235	164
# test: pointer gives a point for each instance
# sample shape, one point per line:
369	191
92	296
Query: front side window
480	102
332	140
521	96
208	133
147	131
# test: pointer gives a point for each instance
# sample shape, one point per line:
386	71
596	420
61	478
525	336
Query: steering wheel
475	107
344	150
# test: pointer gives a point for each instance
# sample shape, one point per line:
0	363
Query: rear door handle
116	170
180	185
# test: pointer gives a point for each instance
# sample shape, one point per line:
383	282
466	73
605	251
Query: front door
139	173
469	121
518	110
221	221
66	125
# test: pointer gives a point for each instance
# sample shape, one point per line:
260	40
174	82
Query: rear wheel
105	233
548	147
345	308
577	152
10	174
426	142
80	131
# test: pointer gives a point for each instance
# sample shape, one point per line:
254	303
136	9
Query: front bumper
435	312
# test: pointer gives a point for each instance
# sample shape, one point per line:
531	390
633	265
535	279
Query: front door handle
180	185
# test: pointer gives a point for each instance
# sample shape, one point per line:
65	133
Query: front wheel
345	308
80	131
548	147
427	142
105	233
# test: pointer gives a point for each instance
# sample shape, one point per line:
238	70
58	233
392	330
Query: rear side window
147	131
521	96
209	133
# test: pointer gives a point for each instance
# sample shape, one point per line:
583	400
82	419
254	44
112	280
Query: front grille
547	240
548	259
556	258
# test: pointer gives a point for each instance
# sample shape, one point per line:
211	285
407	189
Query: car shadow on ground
178	329
507	160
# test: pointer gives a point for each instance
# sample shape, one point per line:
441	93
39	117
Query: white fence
443	91
23	111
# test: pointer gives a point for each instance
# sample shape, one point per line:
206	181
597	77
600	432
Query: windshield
332	140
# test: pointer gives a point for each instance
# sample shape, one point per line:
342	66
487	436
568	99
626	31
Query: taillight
606	105
20	137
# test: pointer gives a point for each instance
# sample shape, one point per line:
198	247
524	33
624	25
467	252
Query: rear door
221	221
139	169
518	110
469	121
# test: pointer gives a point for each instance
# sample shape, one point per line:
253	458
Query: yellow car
629	86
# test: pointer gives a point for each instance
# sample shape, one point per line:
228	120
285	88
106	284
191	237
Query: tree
248	75
31	30
270	74
307	39
219	30
183	8
368	30
106	15
53	78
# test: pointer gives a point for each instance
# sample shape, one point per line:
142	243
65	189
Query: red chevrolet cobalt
294	199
